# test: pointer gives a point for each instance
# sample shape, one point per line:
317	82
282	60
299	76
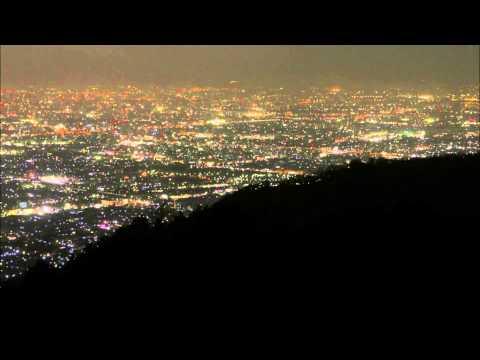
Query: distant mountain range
290	66
61	66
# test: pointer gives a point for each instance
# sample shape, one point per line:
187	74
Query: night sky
287	66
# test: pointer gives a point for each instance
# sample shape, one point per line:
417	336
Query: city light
94	158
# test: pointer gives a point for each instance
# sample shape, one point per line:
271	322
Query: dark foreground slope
381	220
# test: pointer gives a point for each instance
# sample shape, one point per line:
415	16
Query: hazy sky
253	65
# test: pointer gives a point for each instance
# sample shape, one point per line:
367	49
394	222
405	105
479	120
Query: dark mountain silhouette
379	220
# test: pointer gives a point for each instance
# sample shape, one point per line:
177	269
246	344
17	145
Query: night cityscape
79	162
